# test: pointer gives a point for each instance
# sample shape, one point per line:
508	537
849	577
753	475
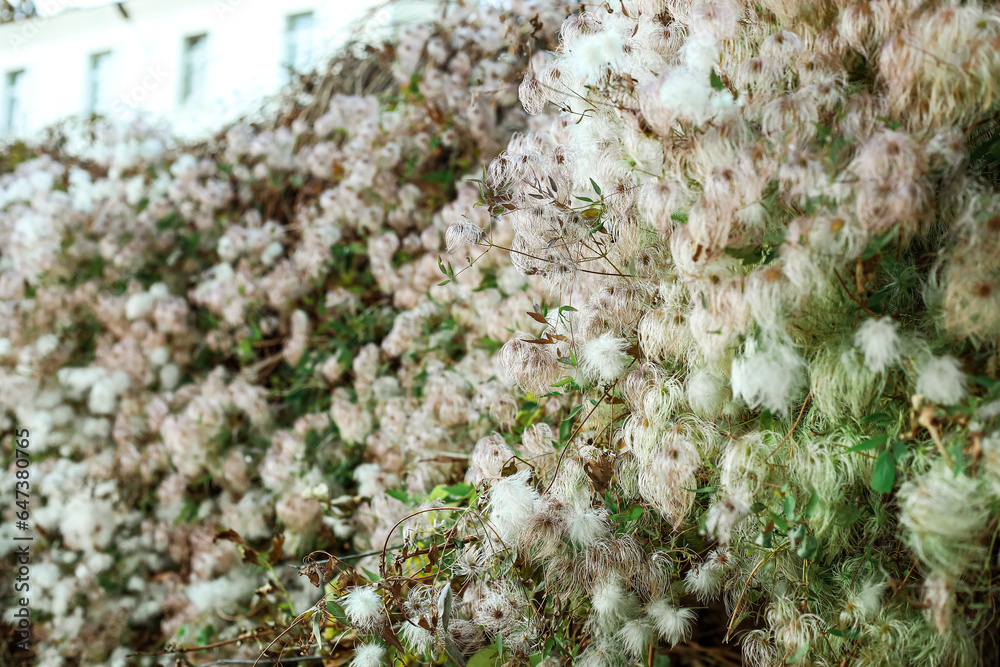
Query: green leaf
398	495
487	657
989	383
797	535
958	456
455	653
446	269
898	449
812	505
749	255
444	607
884	474
171	221
870	443
442	177
715	81
790	507
204	636
459	490
437	493
779	521
491	345
808	548
597	188
565	430
336	610
991	146
189	512
880	242
876	418
631	514
766	421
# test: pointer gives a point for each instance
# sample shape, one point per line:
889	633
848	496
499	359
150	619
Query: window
98	82
13	101
299	36
194	69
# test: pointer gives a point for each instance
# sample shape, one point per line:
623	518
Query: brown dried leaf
230	535
389	635
277	549
599	472
249	554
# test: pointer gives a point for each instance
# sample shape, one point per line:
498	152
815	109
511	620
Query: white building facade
194	63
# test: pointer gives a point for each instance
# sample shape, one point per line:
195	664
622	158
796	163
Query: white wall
246	49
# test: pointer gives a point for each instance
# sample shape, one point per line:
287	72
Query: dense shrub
702	364
204	337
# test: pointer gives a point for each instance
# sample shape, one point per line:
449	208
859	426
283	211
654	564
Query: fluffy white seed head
591	53
863	602
707	392
531	94
939	596
768	377
724	515
759	648
363	606
488	459
462	233
942	381
500	608
944	515
513	502
667	477
368	655
611	603
585	525
879	341
991	459
604	652
416	637
673	623
704	581
603	358
635	636
533	366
